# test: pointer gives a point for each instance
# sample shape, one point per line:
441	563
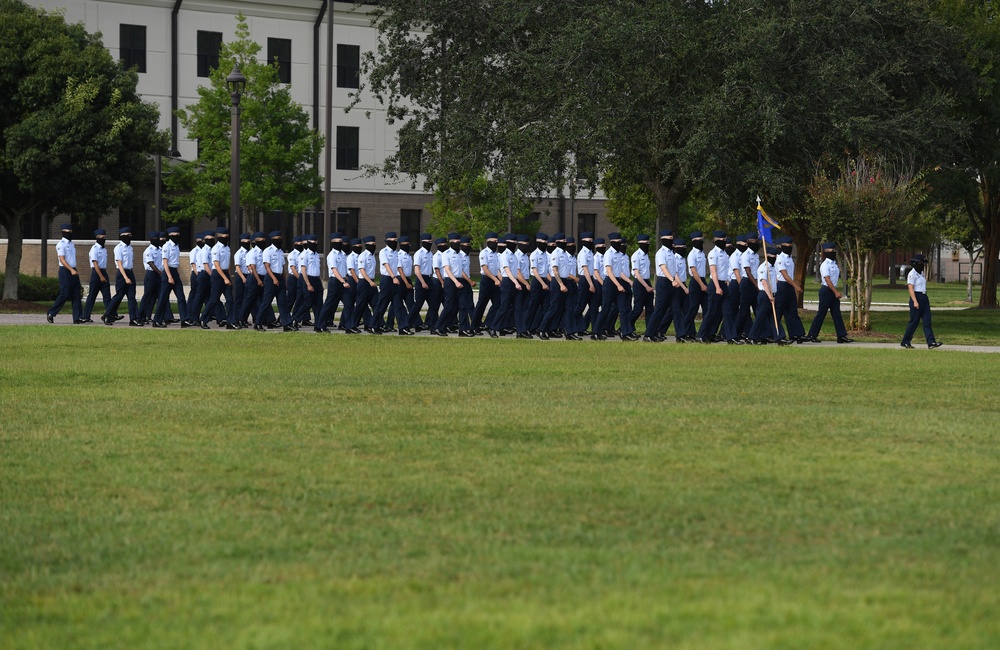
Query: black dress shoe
160	325
406	333
87	320
543	336
107	320
906	345
440	333
602	337
287	328
119	316
307	323
508	330
494	334
231	326
843	339
466	334
935	344
525	335
78	322
205	326
259	328
134	323
50	318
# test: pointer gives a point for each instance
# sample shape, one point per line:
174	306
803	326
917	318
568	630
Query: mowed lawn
187	489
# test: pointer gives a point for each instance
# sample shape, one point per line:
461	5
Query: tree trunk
668	195
991	247
968	278
15	245
804	245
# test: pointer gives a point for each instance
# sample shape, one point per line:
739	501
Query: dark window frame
586	222
409	224
207	59
348	66
347	222
280	50
348	157
132	46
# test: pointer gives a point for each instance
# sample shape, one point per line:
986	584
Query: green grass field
184	489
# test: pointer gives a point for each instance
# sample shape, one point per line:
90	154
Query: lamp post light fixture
235	83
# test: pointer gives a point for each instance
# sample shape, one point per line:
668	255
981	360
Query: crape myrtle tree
802	82
75	137
278	148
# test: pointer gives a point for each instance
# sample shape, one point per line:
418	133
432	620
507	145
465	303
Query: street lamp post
235	83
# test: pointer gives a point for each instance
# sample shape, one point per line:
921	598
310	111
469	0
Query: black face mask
391	245
224	241
175	238
589	245
276	243
199	244
426	245
245	245
492	245
370	247
442	248
540	245
918	267
126	240
830	255
601	249
454	246
667	243
621	247
337	246
741	248
101	242
561	245
754	246
261	244
550	248
730	249
771	259
210	242
524	248
720	244
570	248
300	247
466	248
787	250
680	251
405	248
68	236
357	249
644	247
697	245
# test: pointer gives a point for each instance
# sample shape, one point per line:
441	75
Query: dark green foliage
35	288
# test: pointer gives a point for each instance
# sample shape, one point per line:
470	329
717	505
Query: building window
348	66
134	216
347	222
132	46
586	222
347	147
409	224
280	50
209	45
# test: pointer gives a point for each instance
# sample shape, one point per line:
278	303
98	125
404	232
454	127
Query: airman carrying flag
765	224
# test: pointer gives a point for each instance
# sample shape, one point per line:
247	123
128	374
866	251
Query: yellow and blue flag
765	224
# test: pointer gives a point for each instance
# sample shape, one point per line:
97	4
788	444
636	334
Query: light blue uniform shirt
424	260
172	254
599	265
405	262
491	260
276	258
717	257
680	267
124	254
67	249
829	269
453	260
696	258
387	256
508	266
312	263
366	263
154	255
466	263
640	263
293	259
918	281
539	261
767	272
438	263
784	262
585	260
255	258
734	264
749	260
523	262
99	254
352	263
220	254
665	257
240	260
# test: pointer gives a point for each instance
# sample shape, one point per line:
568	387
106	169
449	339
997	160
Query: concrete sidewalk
65	320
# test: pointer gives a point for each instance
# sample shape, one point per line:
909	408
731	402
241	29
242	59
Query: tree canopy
75	137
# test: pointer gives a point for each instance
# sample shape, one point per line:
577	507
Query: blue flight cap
829	245
404	239
336	235
919	257
729	241
586	235
453	235
570	240
599	241
491	235
127	230
679	242
356	241
741	239
541	236
614	235
465	240
643	237
99	232
273	234
198	236
771	250
666	233
718	234
784	240
426	236
752	235
222	231
559	236
390	235
154	235
551	239
696	235
370	239
245	236
66	226
510	237
441	240
209	234
310	237
258	235
174	230
523	239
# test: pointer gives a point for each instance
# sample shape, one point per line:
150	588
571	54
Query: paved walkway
65	320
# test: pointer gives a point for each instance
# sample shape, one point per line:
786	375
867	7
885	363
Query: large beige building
175	42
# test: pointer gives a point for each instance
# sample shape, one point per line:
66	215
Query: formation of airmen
546	288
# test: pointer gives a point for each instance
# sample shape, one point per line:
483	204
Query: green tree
476	205
865	204
75	138
978	22
278	149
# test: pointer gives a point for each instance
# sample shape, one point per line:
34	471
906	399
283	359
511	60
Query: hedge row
34	288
